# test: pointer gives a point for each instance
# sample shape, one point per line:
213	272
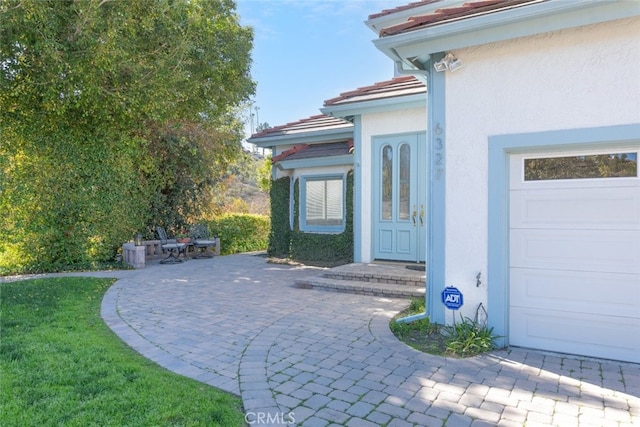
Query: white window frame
321	228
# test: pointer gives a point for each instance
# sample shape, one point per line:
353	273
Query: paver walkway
314	358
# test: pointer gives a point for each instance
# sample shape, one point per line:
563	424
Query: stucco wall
576	78
377	124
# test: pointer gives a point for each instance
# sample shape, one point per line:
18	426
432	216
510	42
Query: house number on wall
438	157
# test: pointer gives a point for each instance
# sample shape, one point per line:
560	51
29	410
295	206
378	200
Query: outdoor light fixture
441	66
455	64
449	62
137	239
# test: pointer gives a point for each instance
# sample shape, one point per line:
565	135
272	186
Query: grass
463	338
61	365
86	266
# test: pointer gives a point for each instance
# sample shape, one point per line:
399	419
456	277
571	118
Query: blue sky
307	51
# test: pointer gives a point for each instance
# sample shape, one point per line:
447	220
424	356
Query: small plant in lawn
468	338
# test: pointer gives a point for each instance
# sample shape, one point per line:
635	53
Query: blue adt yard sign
452	298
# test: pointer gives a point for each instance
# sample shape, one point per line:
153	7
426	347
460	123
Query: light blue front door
399	228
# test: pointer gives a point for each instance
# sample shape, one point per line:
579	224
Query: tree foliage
242	189
192	163
262	126
114	116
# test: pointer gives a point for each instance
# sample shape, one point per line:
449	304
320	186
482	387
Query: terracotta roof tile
309	151
310	124
402	8
447	14
289	152
398	86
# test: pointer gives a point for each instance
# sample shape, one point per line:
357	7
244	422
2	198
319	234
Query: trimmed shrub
240	232
323	249
280	234
71	205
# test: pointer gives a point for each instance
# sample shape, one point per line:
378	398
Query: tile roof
308	151
447	14
316	123
398	86
402	8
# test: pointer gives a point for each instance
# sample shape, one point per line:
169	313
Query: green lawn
61	365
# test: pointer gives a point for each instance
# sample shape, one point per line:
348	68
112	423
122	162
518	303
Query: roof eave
521	21
311	137
349	109
377	24
340	160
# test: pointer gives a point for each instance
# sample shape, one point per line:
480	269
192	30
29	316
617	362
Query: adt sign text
452	298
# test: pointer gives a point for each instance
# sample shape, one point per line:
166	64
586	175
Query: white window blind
324	202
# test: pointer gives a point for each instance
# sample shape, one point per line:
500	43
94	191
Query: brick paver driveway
313	358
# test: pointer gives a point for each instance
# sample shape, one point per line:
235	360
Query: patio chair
172	246
202	241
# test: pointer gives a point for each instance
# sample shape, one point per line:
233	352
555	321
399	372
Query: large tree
112	112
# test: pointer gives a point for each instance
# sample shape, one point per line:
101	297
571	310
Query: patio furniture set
200	240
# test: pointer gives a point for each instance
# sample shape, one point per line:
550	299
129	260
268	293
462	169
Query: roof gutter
351	109
332	135
519	21
420	71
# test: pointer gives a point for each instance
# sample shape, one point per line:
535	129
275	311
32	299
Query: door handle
415	213
421	214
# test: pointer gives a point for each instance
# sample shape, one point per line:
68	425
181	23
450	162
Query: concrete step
389	290
389	273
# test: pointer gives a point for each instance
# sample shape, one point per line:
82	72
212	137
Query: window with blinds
324	202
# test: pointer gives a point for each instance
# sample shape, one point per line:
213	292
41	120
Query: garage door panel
589	335
574	253
609	294
590	208
582	250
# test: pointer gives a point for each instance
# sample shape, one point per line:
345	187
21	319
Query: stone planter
134	255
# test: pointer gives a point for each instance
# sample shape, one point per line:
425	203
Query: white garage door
575	253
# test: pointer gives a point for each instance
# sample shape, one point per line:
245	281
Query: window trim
339	228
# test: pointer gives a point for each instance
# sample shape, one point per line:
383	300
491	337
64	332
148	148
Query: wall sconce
449	62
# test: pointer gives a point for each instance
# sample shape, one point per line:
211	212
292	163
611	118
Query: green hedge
280	234
323	249
71	204
240	232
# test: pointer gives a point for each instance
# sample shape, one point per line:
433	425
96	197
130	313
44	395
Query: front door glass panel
404	202
387	183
